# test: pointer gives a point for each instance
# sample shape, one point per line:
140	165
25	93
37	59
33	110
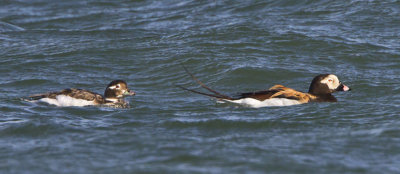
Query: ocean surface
232	46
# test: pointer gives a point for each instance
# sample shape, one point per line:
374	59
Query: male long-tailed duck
113	96
321	89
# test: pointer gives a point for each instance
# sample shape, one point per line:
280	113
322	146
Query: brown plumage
74	93
113	95
321	89
279	91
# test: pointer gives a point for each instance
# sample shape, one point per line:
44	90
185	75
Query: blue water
233	47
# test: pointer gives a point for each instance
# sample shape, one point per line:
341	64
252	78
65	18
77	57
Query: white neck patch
113	87
114	100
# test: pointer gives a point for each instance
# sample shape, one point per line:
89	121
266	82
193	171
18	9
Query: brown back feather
72	92
279	91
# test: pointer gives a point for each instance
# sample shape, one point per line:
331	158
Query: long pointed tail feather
222	96
203	93
36	97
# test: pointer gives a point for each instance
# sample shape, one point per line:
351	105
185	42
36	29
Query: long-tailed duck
321	89
113	96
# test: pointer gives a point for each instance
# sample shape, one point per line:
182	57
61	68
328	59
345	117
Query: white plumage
63	100
254	103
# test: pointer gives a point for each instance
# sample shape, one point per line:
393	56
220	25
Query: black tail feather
202	93
36	97
217	94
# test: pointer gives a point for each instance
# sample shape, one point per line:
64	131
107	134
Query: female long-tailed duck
113	96
321	89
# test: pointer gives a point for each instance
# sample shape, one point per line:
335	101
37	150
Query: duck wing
71	92
279	91
258	95
81	94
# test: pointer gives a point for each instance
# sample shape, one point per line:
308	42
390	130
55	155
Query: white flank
63	100
114	100
250	102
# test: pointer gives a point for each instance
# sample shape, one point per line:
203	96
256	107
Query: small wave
31	129
7	27
380	132
26	82
233	123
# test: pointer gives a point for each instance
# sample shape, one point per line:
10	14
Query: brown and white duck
321	89
113	96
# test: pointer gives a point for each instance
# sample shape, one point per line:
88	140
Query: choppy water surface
234	46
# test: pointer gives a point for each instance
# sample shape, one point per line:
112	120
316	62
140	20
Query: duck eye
330	80
117	86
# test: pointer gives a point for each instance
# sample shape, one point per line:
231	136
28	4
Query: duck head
326	84
117	89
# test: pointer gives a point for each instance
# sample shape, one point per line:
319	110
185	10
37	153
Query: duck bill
343	87
129	92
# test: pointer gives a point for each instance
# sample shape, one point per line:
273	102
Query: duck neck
325	98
